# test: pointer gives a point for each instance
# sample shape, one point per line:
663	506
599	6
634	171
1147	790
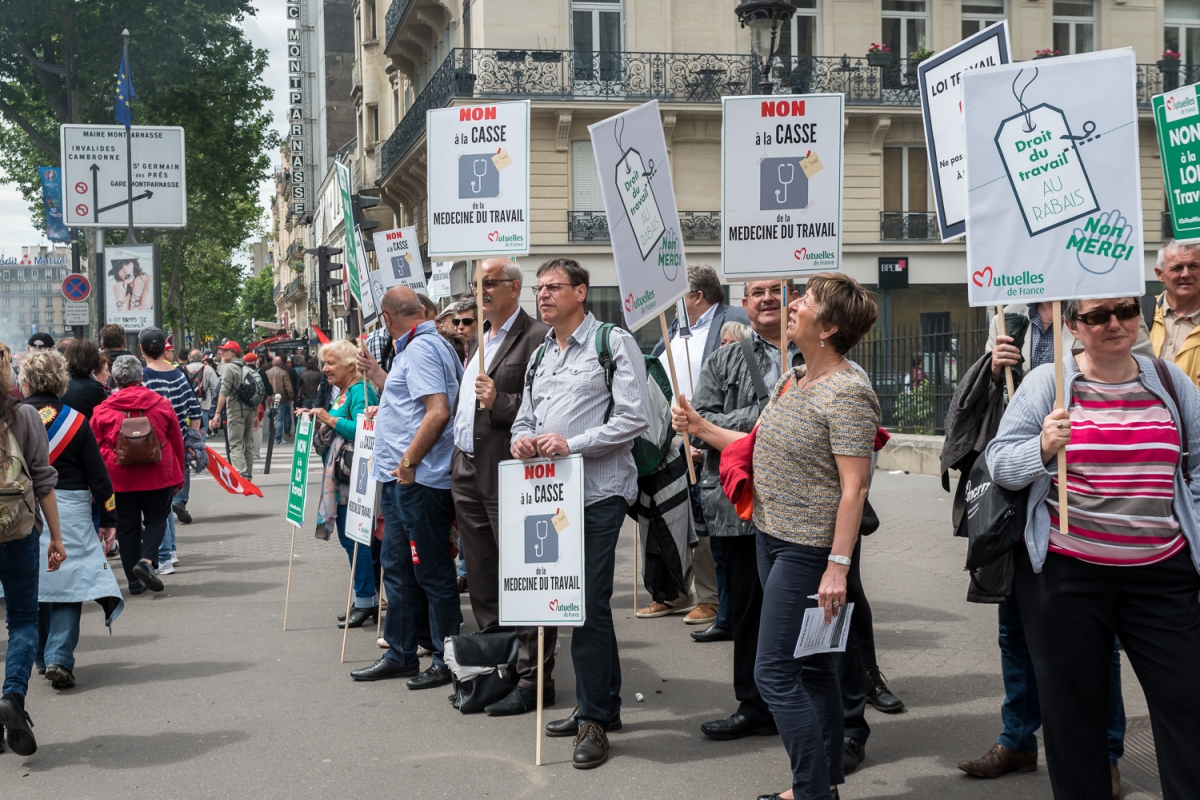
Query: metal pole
99	288
77	330
130	235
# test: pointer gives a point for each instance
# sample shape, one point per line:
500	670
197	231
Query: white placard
439	279
639	201
399	258
363	504
1054	207
76	314
541	542
130	286
781	185
940	79
95	171
478	180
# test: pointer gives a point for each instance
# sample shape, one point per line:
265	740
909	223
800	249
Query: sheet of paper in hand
817	637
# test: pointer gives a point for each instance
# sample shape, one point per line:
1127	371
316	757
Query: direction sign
94	174
76	288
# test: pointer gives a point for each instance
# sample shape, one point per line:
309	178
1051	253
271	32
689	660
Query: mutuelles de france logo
1022	284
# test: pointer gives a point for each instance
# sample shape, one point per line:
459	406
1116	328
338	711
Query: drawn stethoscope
785	184
475	168
543	530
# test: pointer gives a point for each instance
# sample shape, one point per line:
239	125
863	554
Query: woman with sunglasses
1129	562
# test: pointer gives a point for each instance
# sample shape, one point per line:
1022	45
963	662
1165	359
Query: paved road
199	693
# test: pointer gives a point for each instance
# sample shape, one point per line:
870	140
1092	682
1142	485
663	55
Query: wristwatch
843	560
404	462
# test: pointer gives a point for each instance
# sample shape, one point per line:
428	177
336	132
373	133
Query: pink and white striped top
1121	466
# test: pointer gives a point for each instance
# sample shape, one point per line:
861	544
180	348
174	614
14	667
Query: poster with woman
131	286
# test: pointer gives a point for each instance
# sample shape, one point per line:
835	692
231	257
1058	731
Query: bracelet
842	560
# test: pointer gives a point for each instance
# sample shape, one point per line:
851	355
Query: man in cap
240	417
40	341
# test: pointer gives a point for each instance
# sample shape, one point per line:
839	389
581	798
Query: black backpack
252	390
196	380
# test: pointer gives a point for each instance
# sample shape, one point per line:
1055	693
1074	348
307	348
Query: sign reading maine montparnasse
478	180
781	185
95	173
1177	118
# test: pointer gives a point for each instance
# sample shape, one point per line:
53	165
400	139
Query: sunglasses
1100	316
463	321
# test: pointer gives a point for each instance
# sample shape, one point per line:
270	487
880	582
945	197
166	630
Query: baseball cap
230	344
170	343
152	339
40	340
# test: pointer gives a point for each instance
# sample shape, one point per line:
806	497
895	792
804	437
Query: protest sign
788	221
361	509
478	180
1177	119
439	279
541	542
298	489
639	201
940	79
399	258
1054	205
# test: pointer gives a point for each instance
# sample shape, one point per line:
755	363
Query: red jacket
106	422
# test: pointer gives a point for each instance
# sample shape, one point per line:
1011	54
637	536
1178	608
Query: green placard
1177	120
351	245
298	490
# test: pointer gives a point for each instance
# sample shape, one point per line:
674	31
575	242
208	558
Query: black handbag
995	517
344	463
484	666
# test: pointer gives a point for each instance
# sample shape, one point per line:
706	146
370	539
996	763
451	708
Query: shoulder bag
137	443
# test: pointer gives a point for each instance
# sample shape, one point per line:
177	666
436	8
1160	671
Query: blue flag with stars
125	91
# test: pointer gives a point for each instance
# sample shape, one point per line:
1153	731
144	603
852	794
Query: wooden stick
687	452
637	546
1059	400
287	597
349	599
479	319
687	353
1007	370
783	340
379	616
537	752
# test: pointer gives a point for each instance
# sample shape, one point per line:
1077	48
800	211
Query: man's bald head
402	309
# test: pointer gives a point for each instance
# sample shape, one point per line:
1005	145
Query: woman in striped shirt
1127	563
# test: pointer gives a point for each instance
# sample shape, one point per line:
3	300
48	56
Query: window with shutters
585	182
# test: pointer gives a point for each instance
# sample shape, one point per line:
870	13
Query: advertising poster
781	185
940	79
1054	205
541	542
51	177
399	257
1177	119
639	201
363	505
478	180
298	489
131	286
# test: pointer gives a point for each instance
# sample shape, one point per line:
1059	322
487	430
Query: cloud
16	227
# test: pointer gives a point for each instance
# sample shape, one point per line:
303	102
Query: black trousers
740	554
1071	610
859	655
135	510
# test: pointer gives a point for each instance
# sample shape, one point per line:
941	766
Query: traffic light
360	203
325	266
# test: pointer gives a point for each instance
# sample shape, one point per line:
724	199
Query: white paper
817	637
361	509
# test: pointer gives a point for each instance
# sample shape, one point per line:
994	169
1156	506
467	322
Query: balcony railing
356	81
908	225
391	22
584	227
294	287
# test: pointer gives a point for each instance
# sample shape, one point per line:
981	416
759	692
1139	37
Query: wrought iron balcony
908	225
293	288
391	22
356	79
584	227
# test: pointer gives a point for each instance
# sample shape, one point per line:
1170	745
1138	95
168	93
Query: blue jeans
364	568
168	543
283	421
20	562
416	557
722	620
1021	712
186	492
803	694
58	634
594	645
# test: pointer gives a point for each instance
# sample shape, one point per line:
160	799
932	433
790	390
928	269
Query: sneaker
175	557
181	513
60	677
657	609
145	572
17	725
166	568
702	614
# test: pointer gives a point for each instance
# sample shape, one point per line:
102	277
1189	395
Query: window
1182	34
33	316
978	14
21	303
372	24
21	318
596	33
33	303
798	38
585	181
905	193
374	123
904	25
1074	26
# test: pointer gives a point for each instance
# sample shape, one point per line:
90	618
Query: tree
258	301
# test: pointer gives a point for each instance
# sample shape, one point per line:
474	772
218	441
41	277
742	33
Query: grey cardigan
1014	457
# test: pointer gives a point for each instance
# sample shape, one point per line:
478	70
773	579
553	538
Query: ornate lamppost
764	18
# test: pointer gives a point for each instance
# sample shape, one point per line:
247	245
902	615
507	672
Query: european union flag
125	92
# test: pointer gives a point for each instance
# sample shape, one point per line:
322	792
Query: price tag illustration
502	159
641	207
811	164
560	521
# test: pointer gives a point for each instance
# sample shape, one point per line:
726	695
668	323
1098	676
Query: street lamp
764	18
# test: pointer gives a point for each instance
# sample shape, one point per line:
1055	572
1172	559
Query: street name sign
95	172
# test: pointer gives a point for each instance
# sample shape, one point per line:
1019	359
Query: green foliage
914	410
257	302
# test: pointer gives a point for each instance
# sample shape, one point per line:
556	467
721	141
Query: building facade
31	299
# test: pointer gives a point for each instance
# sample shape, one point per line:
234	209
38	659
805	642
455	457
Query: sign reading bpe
478	180
399	259
298	489
541	542
1054	204
1177	118
94	174
364	490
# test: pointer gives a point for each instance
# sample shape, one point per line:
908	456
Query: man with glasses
487	406
1175	335
465	322
568	408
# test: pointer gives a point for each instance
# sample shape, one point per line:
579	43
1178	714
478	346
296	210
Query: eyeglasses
488	284
552	288
1100	316
760	292
463	321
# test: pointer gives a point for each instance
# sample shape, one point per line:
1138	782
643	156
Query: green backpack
651	448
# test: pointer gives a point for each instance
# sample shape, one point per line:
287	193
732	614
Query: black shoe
591	746
437	675
60	677
713	633
519	701
879	695
181	513
382	669
737	727
341	618
145	572
853	754
137	587
17	725
570	725
359	616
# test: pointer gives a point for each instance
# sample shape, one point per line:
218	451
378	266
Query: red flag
228	477
321	337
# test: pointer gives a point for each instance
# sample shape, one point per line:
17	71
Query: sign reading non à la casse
1177	120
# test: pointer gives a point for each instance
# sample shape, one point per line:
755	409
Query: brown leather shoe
1116	782
999	760
702	614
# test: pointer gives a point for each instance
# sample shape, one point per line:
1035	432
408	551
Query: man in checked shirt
567	410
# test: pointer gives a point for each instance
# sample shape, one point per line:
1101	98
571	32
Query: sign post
361	505
297	495
1177	120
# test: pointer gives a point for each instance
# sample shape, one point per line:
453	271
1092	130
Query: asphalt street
199	693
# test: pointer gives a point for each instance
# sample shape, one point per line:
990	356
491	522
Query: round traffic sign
76	288
81	188
81	210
